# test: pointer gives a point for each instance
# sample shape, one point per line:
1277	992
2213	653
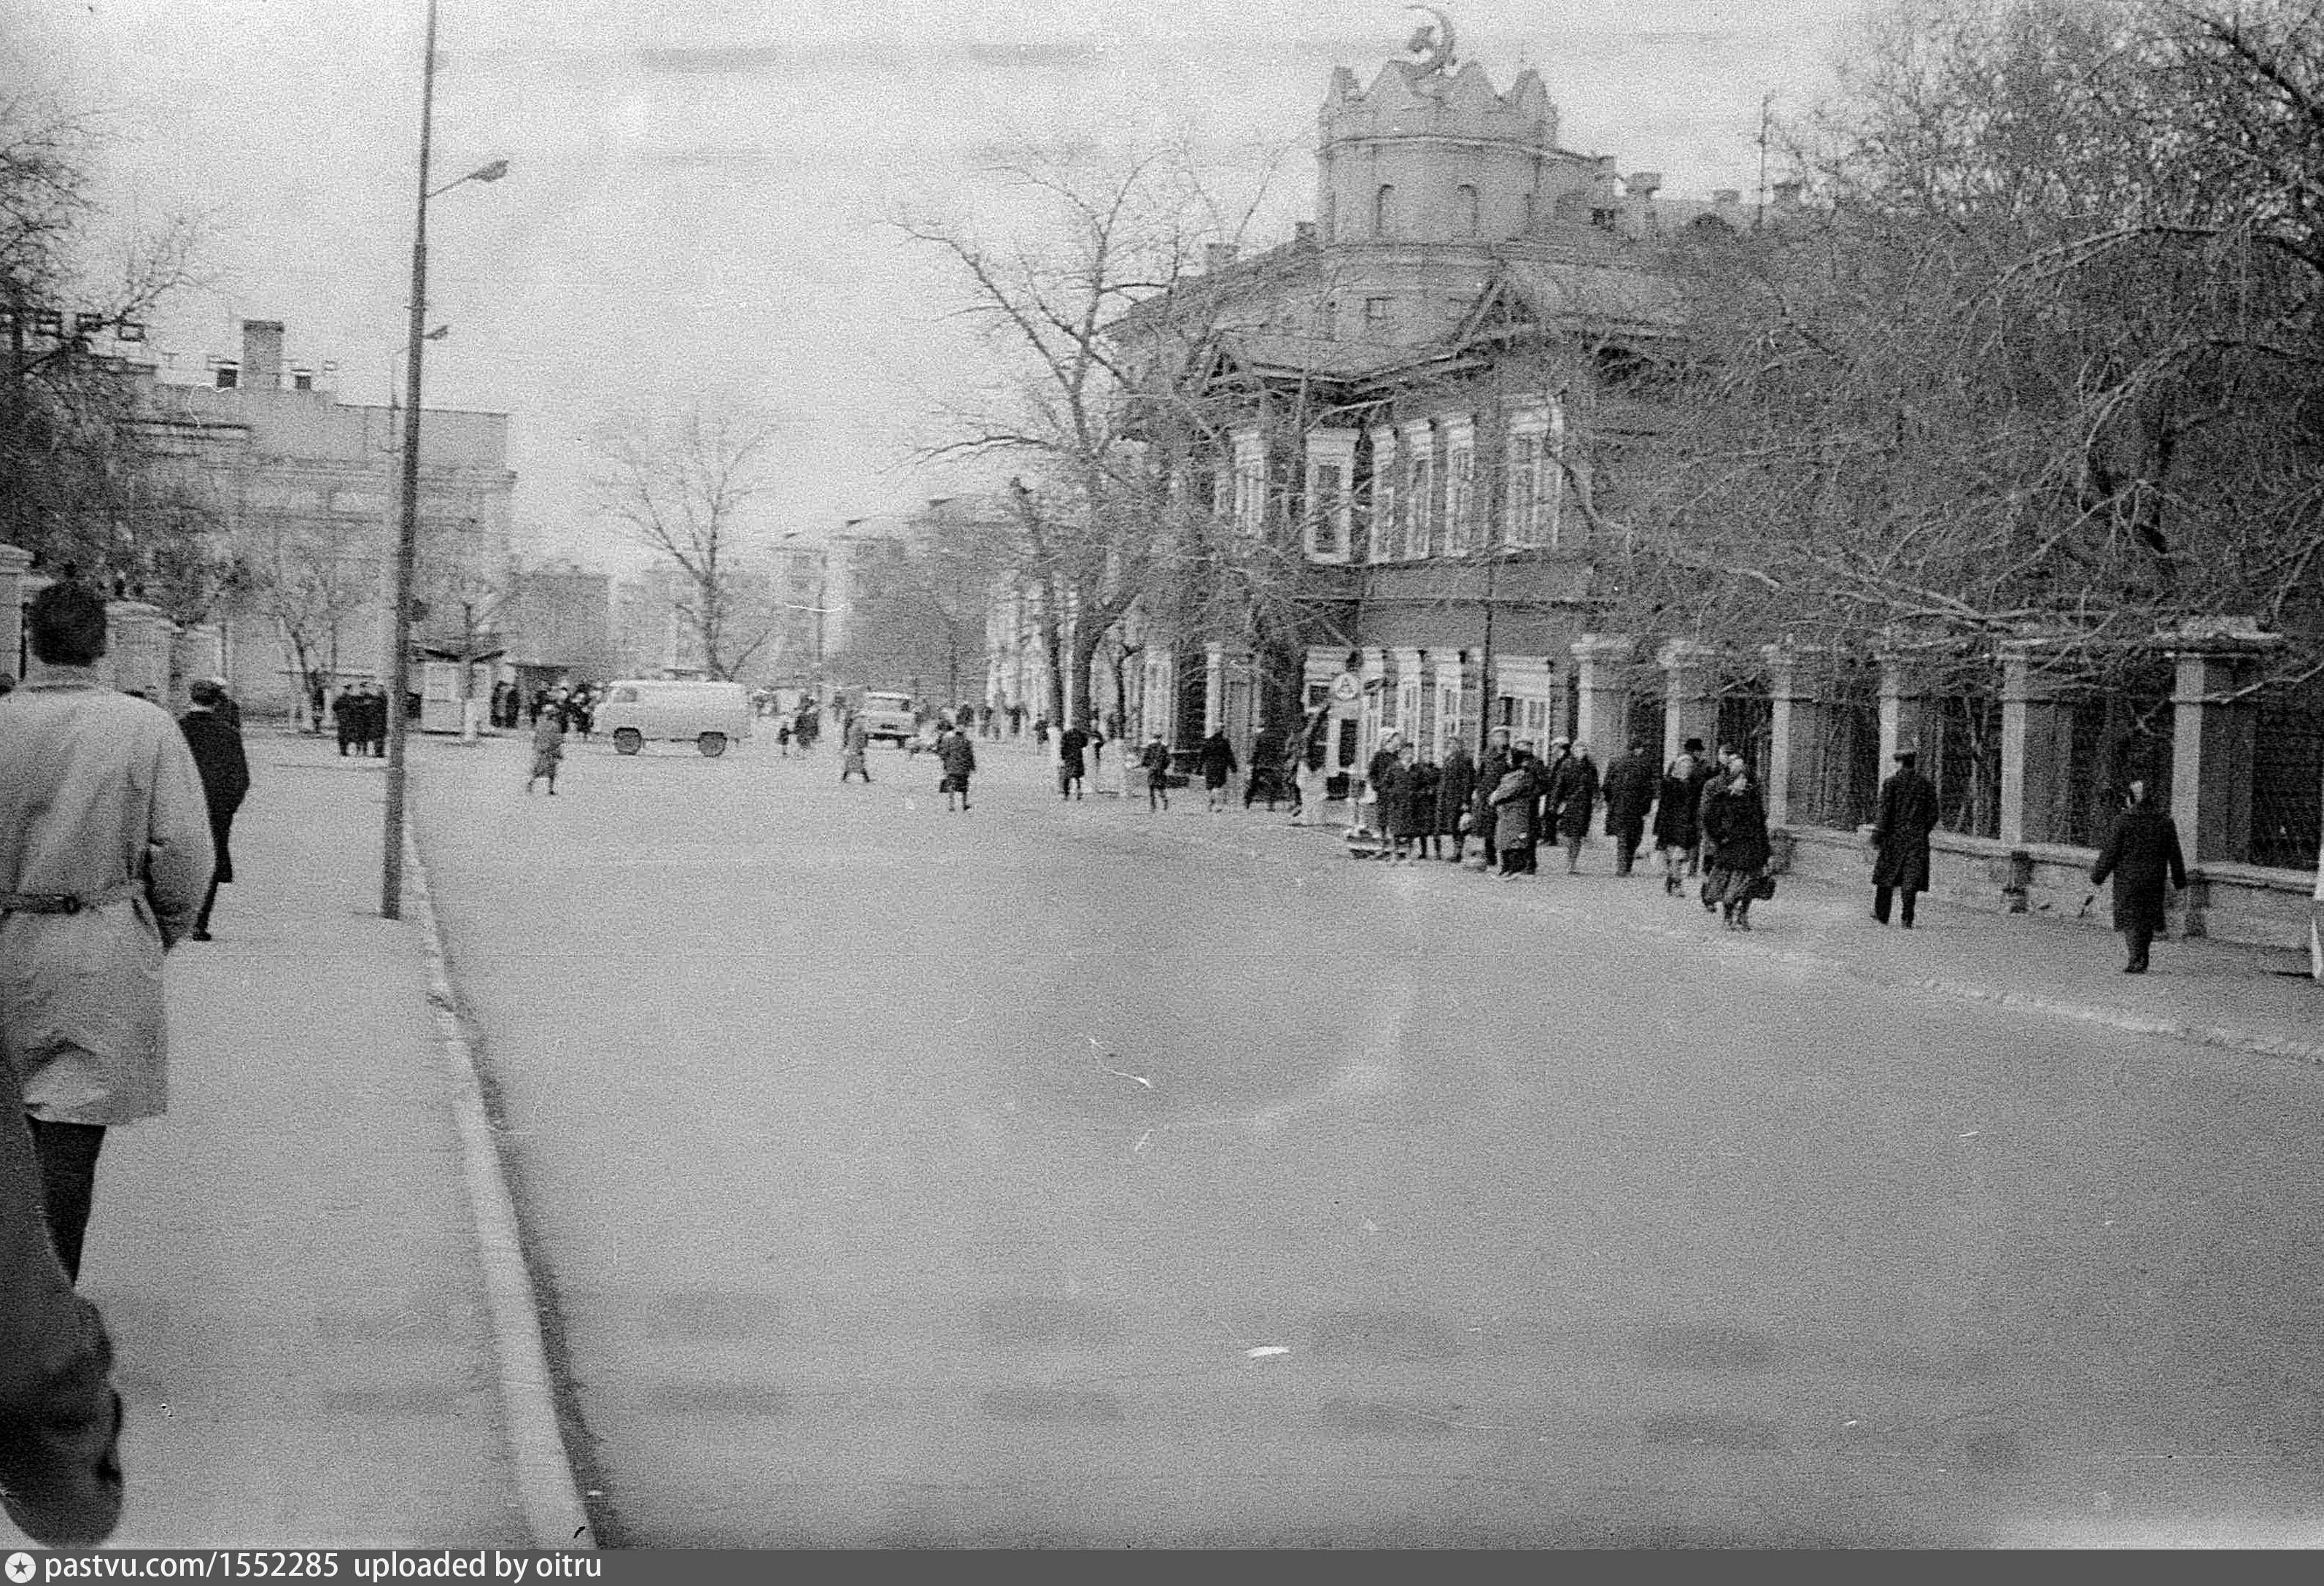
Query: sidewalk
2243	999
287	1261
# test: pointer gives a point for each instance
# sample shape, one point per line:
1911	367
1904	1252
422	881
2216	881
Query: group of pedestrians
1708	817
359	712
114	822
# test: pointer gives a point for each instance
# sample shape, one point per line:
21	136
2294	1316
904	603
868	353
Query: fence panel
2119	736
1847	788
2287	798
1747	720
1966	766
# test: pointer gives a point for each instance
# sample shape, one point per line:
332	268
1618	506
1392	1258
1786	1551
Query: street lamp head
493	173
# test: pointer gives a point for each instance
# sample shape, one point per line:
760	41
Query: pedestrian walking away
224	771
854	746
1070	767
1218	762
105	858
956	754
547	748
1907	814
1629	787
1155	759
2141	855
1678	833
60	1417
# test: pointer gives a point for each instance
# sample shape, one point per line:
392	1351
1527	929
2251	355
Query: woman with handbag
1737	820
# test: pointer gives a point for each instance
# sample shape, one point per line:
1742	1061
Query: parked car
636	711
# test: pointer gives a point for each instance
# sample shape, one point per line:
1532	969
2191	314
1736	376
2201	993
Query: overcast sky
698	189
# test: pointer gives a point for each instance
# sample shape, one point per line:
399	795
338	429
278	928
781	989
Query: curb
555	1515
2138	1024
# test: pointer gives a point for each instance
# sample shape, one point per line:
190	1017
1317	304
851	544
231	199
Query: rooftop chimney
262	354
1217	256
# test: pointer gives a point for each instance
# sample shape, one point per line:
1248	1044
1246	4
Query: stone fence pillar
199	652
1690	695
1905	710
1602	723
14	564
2037	748
2213	731
1800	734
138	638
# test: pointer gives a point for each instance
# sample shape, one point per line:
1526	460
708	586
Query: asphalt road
1072	1174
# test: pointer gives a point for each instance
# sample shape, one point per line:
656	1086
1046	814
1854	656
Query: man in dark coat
376	720
1456	786
1629	787
346	716
1574	794
1218	759
60	1417
2141	853
225	771
1070	767
1900	837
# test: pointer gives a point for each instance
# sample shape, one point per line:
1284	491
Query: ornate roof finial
1432	42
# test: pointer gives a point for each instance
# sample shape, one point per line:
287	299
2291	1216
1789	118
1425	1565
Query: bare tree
72	457
299	574
1097	423
682	484
2039	356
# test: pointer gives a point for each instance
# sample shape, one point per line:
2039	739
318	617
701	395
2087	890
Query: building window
1603	219
1536	482
1327	540
1330	217
1384	211
1327	318
1330	506
1420	502
1460	476
1249	500
1376	311
230	376
1464	210
1383	497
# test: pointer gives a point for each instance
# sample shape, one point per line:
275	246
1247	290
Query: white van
636	710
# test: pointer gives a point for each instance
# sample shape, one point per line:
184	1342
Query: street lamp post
407	539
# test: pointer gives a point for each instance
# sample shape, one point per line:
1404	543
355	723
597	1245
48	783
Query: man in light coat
105	858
